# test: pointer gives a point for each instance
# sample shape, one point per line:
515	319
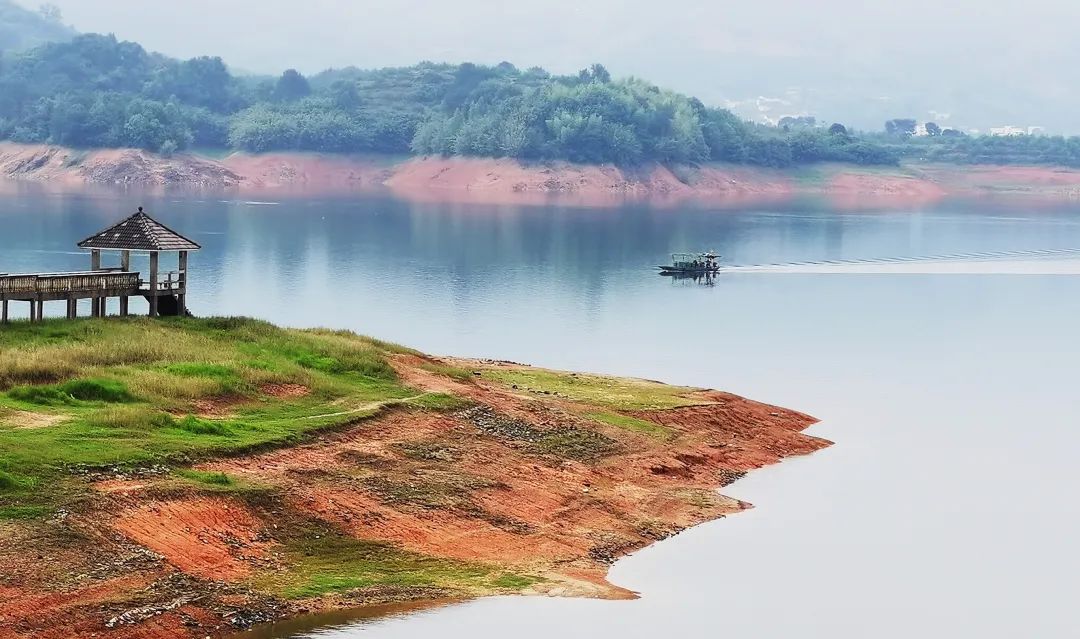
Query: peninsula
189	477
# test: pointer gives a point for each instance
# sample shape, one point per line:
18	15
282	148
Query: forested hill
22	29
96	91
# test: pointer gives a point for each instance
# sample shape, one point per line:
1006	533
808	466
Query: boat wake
1032	262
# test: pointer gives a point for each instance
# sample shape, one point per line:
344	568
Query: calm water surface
947	507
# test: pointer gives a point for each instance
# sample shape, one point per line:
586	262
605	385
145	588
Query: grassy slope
84	395
128	392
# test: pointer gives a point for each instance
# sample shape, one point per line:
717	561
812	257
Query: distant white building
1036	130
1007	131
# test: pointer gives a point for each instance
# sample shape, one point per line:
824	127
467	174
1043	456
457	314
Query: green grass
9	482
126	389
324	562
575	443
219	482
207	477
439	402
634	424
607	392
16	513
446	370
511	581
71	392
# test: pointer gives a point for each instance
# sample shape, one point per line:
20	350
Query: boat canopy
686	260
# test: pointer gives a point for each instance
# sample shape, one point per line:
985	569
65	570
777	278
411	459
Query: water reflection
319	624
703	278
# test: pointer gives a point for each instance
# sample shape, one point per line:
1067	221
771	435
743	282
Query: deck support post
4	311
153	283
40	303
71	307
125	265
95	265
181	298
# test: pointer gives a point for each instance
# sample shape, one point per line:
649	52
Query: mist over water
946	507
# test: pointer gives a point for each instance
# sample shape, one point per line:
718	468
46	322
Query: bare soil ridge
509	181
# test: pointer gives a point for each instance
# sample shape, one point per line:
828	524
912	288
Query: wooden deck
38	288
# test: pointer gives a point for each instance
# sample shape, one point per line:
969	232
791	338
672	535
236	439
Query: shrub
41	395
8	481
130	418
101	390
213	371
87	390
198	426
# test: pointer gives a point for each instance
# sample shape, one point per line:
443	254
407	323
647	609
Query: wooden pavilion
166	292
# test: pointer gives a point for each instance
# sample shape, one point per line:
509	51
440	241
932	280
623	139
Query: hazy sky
961	58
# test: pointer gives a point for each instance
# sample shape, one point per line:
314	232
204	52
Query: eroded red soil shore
141	556
505	181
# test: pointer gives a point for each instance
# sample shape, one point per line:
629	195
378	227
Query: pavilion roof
140	232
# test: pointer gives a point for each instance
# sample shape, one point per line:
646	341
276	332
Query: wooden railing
167	281
85	282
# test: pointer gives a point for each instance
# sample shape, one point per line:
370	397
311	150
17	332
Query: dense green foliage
96	91
1021	149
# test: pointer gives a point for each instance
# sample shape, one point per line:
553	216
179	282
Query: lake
947	506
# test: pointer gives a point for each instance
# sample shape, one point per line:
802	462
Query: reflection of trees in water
468	250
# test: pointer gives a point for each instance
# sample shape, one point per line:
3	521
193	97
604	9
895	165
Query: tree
595	73
291	86
932	129
838	129
797	121
96	91
901	127
345	95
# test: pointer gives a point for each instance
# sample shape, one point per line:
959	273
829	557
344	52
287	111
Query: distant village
912	127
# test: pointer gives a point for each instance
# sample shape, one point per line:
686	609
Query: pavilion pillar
125	266
181	298
95	302
153	283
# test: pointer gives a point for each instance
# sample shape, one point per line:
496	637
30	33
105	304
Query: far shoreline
502	181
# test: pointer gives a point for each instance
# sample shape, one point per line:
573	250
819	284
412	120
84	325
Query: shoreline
506	182
482	478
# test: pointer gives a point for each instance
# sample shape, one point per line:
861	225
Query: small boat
691	264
